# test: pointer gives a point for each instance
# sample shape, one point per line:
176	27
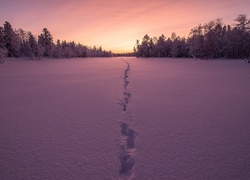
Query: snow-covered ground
124	118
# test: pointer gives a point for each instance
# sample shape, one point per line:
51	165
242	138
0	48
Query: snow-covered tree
161	46
176	45
196	42
11	41
45	40
2	44
213	38
22	38
242	22
33	49
3	53
57	50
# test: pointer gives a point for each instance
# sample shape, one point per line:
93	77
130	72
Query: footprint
131	138
127	163
128	134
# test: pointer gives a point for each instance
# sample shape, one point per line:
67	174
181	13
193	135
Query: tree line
20	43
210	40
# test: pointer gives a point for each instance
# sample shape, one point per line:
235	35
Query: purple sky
116	25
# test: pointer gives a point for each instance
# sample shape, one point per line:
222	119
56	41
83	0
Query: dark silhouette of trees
161	47
11	41
242	22
46	41
2	45
3	51
143	49
207	41
33	48
16	43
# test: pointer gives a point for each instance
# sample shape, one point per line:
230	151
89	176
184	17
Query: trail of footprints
126	158
127	133
126	94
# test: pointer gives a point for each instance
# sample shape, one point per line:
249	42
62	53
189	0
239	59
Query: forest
20	43
208	41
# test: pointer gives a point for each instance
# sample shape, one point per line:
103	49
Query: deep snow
118	118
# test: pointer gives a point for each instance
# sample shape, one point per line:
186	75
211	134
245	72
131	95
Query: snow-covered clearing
124	118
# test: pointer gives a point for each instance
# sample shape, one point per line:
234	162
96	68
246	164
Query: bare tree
242	22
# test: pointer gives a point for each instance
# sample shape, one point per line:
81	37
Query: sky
116	24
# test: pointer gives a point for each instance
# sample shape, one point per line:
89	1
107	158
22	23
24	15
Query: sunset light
115	25
125	89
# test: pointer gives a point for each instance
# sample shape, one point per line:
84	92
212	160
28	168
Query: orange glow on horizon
116	25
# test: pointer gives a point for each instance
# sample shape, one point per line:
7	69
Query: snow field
193	118
59	119
124	118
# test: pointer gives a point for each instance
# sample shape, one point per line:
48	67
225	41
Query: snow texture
113	118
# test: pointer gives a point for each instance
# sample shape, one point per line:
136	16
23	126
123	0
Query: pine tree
3	50
46	41
145	46
196	42
11	40
22	39
1	38
57	50
161	46
32	46
242	36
